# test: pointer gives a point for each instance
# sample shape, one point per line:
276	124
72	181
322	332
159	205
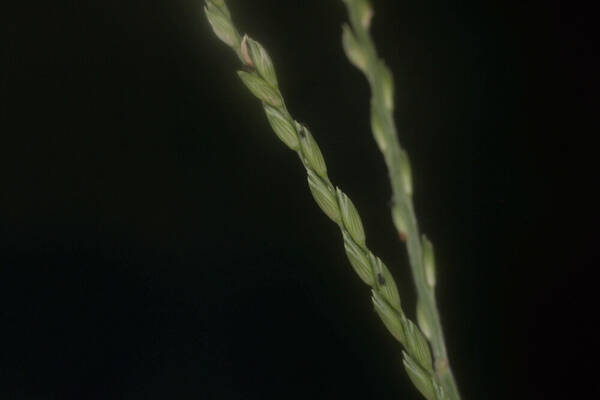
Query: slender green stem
360	49
260	78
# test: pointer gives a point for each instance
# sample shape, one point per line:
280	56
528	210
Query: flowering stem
360	49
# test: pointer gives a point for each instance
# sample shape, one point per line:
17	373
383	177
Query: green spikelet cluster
260	78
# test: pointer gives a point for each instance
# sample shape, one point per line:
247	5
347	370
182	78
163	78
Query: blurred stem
361	50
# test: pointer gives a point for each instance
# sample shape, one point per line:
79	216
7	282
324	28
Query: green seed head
256	56
354	51
261	89
351	218
282	127
219	20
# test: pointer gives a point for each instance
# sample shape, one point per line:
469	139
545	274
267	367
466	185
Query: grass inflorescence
258	75
360	50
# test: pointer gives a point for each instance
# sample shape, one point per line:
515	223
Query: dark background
157	241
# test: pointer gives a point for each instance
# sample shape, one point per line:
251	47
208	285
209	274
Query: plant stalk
360	48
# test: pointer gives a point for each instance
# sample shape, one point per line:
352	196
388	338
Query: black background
157	240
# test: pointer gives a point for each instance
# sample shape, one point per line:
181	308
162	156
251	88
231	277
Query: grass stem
360	49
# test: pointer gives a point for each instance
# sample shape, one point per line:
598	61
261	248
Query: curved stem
260	78
360	49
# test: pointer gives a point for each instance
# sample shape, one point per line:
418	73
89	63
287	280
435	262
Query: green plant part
360	50
260	78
